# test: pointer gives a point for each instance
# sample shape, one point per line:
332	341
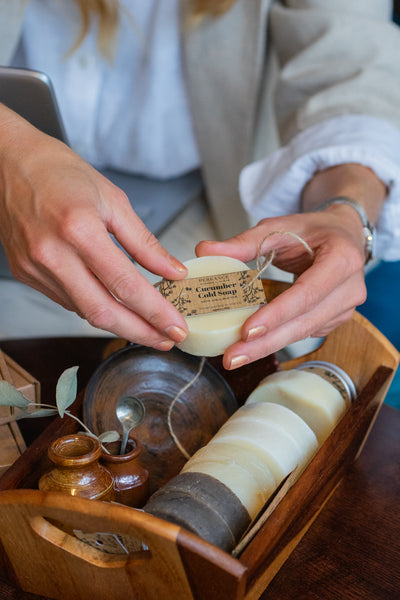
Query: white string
171	406
262	265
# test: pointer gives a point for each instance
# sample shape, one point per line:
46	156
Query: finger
243	246
325	278
269	234
119	276
329	327
93	301
141	244
75	285
48	286
332	311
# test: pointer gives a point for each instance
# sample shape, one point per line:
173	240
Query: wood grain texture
12	443
50	562
370	360
211	573
352	551
156	378
298	508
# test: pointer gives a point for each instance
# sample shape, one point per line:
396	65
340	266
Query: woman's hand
326	290
327	287
57	214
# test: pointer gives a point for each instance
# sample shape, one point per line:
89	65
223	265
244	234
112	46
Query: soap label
213	293
331	378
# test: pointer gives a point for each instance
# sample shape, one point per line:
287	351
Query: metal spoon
130	412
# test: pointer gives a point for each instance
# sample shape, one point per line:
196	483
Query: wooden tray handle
109	553
36	531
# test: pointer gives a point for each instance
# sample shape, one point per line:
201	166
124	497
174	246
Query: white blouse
133	114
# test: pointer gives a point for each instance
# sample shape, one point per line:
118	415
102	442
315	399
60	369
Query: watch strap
369	230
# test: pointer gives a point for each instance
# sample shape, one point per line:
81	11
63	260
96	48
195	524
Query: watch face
369	233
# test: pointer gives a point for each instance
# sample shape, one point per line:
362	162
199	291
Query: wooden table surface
352	550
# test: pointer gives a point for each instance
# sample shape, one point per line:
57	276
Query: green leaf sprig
66	390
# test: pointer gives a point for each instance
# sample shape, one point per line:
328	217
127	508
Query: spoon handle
125	434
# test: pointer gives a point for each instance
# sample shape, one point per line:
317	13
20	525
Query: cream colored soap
217	450
280	452
210	334
256	448
284	419
310	396
237	479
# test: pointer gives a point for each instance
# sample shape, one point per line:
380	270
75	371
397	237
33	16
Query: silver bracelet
369	230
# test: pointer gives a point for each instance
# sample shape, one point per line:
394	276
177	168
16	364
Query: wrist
367	229
352	180
17	135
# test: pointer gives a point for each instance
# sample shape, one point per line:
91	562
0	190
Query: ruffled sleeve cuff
272	187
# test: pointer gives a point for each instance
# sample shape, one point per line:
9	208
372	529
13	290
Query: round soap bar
240	481
225	461
278	449
280	416
210	334
314	399
231	453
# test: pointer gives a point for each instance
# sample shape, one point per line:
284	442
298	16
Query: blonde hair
209	8
107	14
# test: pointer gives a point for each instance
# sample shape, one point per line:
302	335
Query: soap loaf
241	466
319	403
224	485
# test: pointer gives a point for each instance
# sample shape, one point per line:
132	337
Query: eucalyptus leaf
109	436
67	386
10	396
28	414
88	433
41	412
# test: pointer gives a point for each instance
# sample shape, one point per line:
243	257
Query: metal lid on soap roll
334	374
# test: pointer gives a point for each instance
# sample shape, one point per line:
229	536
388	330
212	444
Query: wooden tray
171	563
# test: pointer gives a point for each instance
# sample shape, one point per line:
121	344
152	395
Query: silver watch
369	230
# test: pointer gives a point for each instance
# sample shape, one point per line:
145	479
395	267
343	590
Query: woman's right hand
57	214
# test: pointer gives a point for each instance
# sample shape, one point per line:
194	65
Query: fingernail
238	361
177	264
165	345
176	333
256	332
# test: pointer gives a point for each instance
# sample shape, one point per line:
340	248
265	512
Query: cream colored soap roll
284	419
280	452
311	397
240	481
210	334
217	450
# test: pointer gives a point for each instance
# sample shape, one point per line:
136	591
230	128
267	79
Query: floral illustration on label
212	293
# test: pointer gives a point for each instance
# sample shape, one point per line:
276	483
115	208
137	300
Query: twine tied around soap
263	262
